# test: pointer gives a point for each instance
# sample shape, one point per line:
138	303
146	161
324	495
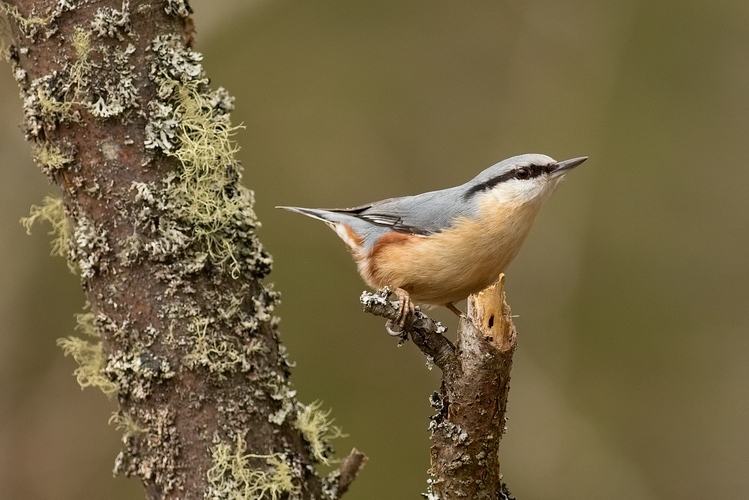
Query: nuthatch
441	246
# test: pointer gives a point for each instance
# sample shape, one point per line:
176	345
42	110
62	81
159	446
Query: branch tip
426	334
338	482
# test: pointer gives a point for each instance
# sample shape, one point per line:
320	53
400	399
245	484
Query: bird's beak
565	166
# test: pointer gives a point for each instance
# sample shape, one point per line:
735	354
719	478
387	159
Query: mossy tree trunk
153	218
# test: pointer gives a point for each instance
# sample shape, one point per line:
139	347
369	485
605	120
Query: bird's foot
406	309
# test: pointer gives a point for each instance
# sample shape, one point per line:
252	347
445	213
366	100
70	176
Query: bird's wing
392	221
422	214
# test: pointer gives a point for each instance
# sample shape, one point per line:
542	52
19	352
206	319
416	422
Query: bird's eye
523	173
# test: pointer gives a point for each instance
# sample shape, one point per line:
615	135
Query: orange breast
448	266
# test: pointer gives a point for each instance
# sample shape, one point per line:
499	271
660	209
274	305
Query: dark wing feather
422	214
391	221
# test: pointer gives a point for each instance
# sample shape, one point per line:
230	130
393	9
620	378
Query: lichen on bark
164	238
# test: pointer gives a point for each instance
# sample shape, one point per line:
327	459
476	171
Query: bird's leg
406	310
454	309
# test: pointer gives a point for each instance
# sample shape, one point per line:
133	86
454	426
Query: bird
439	247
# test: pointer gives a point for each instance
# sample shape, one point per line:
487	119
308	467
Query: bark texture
472	400
153	218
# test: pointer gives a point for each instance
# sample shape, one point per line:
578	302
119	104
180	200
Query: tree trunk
153	217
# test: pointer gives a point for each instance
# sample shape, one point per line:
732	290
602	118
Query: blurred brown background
632	376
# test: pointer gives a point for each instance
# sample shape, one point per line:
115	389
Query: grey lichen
430	494
277	386
132	372
437	422
287	408
100	79
90	246
161	235
178	8
112	22
155	429
380	297
135	371
117	94
330	484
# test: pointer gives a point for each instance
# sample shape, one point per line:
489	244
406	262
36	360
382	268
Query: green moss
205	193
79	70
218	355
90	359
86	324
125	423
88	354
52	210
30	25
232	476
49	103
190	122
81	42
51	157
318	429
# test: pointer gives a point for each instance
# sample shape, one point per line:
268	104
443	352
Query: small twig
426	334
340	480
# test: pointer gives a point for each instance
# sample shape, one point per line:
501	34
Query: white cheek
519	192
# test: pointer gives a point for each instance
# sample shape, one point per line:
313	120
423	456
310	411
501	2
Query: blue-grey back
420	214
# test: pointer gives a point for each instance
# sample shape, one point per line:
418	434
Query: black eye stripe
532	171
535	170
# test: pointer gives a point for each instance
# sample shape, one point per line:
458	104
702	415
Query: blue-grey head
520	179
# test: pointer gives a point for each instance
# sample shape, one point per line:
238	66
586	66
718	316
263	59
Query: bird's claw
394	333
406	309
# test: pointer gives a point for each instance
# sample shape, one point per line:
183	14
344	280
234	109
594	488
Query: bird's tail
339	222
315	213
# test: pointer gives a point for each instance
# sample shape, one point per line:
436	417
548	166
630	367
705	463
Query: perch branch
471	404
425	333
